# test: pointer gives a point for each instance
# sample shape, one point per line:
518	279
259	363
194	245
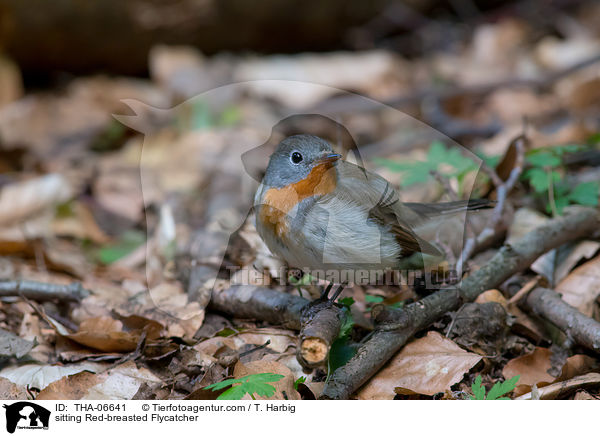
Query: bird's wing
384	206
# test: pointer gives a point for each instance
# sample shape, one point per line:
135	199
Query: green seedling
253	384
546	177
496	392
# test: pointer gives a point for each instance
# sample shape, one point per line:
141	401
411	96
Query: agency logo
26	415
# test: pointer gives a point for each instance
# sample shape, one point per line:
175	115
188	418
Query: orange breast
278	202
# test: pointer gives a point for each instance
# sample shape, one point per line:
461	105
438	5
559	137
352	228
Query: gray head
295	157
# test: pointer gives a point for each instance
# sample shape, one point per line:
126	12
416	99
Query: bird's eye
296	158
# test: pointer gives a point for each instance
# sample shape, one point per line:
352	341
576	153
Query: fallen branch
255	302
547	304
39	291
397	326
321	322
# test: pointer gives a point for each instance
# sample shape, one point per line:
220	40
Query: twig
445	182
563	388
547	304
503	188
403	324
318	322
246	301
39	291
321	321
524	290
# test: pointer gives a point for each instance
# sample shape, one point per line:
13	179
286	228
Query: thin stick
39	291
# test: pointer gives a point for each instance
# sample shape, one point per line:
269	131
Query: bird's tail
433	209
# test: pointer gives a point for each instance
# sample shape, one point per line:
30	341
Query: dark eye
296	158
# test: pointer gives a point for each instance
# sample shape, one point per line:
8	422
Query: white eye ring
296	157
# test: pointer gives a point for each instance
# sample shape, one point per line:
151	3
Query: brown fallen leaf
492	296
280	340
12	391
427	366
583	395
22	200
40	376
120	383
80	224
105	334
581	288
284	387
533	369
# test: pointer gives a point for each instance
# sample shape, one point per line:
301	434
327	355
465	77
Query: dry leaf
369	71
280	340
40	376
426	366
80	224
19	201
120	383
492	296
12	345
533	369
581	288
12	391
583	395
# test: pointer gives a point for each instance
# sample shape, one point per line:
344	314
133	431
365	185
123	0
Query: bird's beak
329	158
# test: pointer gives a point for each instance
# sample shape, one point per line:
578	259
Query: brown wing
410	243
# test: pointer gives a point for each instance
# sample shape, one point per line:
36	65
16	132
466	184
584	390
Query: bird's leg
338	291
325	294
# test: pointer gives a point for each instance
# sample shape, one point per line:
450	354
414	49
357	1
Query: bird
332	218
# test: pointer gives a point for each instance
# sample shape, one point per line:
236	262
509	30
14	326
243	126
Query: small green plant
199	115
376	299
129	241
546	177
298	381
253	384
305	280
449	162
341	350
496	393
346	301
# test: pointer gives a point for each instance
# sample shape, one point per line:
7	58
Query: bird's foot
325	294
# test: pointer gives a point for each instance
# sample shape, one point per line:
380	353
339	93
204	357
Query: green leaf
339	354
593	139
347	324
373	299
347	301
477	389
585	194
500	389
298	381
230	116
253	384
538	179
130	240
226	332
544	159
